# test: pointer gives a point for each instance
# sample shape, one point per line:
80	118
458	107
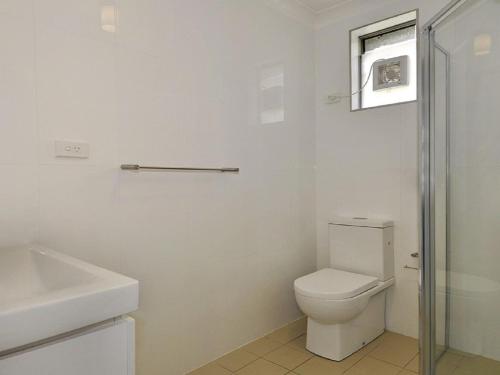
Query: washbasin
44	294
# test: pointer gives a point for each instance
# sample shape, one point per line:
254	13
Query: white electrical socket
68	149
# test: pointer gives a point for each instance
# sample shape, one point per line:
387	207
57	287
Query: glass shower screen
460	291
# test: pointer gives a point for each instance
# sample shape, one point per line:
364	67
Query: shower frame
427	287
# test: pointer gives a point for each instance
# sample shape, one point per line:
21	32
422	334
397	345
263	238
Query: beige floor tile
464	371
414	364
354	358
445	369
460	353
299	343
211	369
451	358
262	367
375	343
236	360
477	365
290	332
319	366
372	366
396	349
406	372
288	357
448	363
350	361
262	346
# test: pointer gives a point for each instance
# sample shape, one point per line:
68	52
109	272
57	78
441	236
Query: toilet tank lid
361	222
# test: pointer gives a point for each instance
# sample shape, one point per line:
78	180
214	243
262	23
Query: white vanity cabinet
105	349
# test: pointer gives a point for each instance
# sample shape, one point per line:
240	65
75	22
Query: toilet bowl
345	311
345	304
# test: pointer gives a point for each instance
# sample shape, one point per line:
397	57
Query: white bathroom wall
367	161
18	133
177	84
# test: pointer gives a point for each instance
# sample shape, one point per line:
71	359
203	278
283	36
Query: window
384	62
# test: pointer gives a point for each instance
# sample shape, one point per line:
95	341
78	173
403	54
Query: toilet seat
333	284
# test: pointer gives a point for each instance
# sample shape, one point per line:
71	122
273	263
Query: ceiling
321	5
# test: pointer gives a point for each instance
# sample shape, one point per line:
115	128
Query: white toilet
345	304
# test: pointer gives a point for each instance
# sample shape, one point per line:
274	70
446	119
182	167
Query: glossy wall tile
171	82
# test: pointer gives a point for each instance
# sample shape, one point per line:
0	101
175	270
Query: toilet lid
334	284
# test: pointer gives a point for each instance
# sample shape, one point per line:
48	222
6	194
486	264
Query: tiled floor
283	352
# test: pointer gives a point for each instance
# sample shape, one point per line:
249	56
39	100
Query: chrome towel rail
137	167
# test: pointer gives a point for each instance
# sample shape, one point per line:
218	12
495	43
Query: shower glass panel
460	291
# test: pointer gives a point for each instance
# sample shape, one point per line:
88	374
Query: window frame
361	41
385	31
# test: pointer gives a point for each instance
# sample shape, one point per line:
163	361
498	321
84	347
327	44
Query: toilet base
338	341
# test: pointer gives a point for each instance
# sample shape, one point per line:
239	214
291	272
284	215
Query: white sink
44	294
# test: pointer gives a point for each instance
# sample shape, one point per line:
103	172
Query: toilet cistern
345	303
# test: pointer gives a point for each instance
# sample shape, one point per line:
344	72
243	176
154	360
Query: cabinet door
105	350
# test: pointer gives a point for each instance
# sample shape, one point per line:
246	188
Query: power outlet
67	149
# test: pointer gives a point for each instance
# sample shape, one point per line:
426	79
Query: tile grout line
410	361
316	356
241	368
286	345
262	357
259	338
284	342
263	360
257	355
387	362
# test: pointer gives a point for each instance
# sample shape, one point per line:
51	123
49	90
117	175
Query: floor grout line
411	360
387	362
284	341
298	348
